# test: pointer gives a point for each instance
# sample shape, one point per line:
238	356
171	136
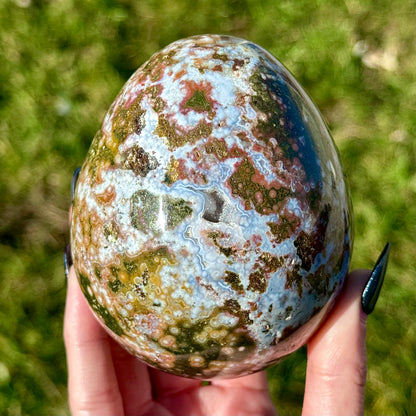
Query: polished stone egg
211	231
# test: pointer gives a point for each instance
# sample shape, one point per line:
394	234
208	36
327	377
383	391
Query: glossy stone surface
211	229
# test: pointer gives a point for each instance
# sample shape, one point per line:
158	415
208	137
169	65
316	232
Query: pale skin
105	380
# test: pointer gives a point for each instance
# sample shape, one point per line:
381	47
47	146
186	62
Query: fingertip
72	299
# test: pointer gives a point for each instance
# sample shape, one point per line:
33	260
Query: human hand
106	380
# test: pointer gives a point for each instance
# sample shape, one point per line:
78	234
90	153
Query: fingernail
67	259
74	182
375	282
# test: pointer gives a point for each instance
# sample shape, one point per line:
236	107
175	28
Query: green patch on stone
294	280
282	229
185	340
270	263
114	271
129	120
105	154
130	266
176	138
257	281
244	340
153	260
218	147
99	309
176	210
110	231
265	265
232	306
221	57
305	249
233	279
243	186
314	198
99	154
97	272
227	251
115	285
267	88
198	102
141	275
158	104
146	208
210	350
261	100
309	245
155	66
319	280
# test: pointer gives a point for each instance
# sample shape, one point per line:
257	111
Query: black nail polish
67	259
74	182
375	282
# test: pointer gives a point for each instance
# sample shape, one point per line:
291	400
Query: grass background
62	63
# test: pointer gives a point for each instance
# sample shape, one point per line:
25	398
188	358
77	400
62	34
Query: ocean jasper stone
211	229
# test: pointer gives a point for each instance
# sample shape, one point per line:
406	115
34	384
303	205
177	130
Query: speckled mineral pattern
211	228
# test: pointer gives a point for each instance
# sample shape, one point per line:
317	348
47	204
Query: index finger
336	371
92	382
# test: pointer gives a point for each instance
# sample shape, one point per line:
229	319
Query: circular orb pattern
211	228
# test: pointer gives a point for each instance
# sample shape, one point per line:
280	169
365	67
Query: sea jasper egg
211	225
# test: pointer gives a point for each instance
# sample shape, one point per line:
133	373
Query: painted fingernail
67	259
375	282
74	182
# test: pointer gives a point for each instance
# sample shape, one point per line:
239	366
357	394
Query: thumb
337	368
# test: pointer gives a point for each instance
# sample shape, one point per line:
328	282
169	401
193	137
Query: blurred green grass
61	64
